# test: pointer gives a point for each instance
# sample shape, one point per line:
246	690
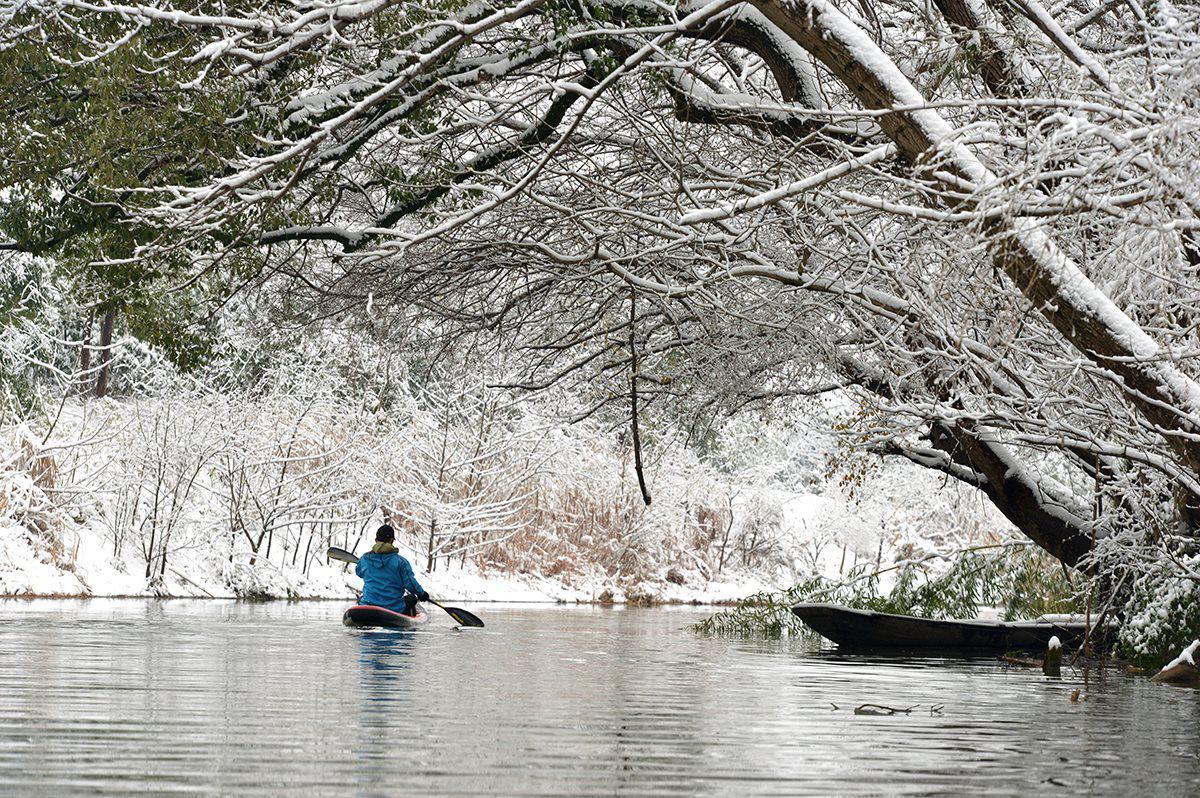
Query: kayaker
388	579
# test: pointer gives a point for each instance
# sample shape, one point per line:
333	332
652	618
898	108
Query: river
120	697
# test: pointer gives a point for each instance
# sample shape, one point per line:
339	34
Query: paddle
461	616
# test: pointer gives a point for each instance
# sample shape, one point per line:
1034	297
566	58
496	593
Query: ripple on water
183	697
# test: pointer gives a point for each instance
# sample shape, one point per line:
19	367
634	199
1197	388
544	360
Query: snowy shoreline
202	574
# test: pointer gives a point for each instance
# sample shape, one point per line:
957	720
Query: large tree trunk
1032	505
1042	516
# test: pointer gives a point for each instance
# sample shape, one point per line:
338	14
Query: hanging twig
1103	617
633	399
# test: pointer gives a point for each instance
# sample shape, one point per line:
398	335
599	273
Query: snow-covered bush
1162	613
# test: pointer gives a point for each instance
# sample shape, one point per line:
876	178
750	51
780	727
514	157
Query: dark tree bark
85	357
106	335
967	455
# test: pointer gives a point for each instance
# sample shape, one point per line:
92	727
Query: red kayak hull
367	615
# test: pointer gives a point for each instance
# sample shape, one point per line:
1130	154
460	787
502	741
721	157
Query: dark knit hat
385	534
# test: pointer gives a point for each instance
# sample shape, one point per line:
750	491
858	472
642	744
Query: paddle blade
461	616
334	553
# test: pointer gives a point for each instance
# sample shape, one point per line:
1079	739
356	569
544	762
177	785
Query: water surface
223	698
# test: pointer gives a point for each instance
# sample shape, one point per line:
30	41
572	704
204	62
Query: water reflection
237	699
383	658
385	686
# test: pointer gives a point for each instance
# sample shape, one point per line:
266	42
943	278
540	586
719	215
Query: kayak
863	629
370	615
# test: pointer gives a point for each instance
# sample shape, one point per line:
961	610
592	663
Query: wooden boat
863	629
370	615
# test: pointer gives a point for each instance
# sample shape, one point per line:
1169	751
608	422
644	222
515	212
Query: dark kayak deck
863	629
370	615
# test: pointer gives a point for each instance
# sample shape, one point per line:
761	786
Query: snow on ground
24	571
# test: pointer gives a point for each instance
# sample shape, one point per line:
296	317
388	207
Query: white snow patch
1188	657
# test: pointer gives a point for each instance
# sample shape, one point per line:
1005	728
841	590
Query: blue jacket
386	577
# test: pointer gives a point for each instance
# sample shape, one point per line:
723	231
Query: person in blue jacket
388	579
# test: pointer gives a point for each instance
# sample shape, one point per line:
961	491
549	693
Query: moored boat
370	615
864	629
